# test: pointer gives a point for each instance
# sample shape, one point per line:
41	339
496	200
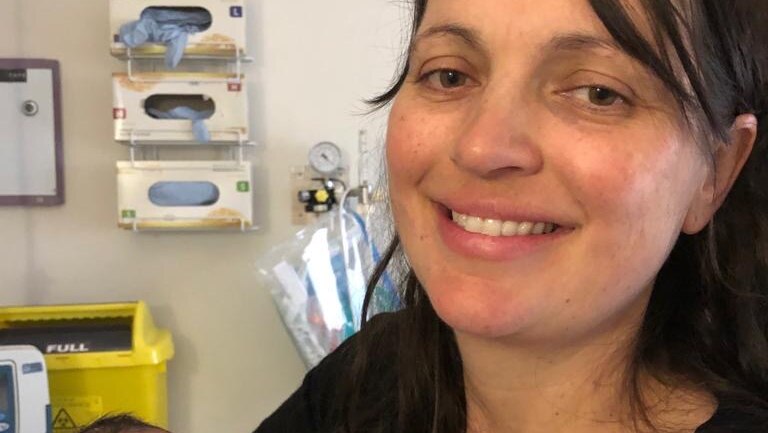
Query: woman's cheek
399	139
413	148
404	153
636	196
621	177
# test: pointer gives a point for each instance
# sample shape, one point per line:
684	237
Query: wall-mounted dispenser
180	108
184	195
207	28
200	105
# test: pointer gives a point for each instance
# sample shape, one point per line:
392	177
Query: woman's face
523	116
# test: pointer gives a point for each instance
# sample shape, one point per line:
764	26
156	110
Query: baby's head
122	423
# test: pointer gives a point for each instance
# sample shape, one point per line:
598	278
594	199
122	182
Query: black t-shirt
307	409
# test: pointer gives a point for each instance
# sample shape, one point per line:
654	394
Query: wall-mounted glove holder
151	152
211	28
182	108
236	72
185	195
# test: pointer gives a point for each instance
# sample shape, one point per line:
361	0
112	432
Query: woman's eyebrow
581	42
467	35
560	42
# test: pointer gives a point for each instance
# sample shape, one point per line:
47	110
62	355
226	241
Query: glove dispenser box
180	108
184	195
222	33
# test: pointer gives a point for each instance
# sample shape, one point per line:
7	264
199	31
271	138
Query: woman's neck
525	392
580	385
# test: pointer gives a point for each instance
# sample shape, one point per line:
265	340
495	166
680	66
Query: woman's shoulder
737	415
377	339
370	352
311	407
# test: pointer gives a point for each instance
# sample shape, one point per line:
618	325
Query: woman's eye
445	79
599	96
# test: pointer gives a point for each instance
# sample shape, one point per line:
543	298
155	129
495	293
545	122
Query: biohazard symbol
63	420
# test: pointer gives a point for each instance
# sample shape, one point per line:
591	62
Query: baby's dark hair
120	423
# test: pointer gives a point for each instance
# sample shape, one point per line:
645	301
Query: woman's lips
490	247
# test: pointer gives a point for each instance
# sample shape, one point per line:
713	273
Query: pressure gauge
325	157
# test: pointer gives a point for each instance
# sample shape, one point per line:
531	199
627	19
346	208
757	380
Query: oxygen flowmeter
319	185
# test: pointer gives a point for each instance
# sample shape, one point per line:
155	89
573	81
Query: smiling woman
579	189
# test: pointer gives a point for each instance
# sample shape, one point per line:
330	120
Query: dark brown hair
120	423
707	319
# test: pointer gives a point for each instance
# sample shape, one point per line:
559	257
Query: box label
13	75
73	413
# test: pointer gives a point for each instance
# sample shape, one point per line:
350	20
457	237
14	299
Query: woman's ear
729	158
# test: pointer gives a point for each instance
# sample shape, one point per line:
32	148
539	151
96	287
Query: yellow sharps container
101	359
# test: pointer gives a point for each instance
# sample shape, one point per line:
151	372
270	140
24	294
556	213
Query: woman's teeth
492	227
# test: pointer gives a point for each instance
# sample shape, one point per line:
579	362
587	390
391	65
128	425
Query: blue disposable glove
197	117
165	26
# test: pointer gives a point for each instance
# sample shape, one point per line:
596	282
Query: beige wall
315	60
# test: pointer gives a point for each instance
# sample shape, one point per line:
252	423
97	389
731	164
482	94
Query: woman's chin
486	316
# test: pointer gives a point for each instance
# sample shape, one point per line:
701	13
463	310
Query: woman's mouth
496	227
492	238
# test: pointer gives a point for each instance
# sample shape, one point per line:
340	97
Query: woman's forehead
531	22
511	16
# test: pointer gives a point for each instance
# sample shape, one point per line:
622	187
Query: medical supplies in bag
318	282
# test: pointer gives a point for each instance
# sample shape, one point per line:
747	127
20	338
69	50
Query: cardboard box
224	38
183	195
132	95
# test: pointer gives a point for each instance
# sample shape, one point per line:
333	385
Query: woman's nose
497	139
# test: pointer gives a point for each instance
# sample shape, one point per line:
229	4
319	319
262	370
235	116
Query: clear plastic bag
318	282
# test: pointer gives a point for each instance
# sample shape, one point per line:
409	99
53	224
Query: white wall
315	62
